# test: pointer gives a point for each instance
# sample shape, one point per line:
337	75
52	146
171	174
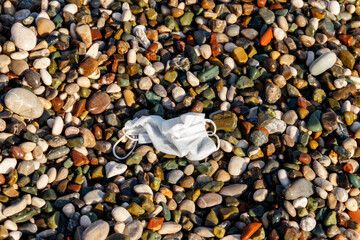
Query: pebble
94	196
98	102
322	63
120	214
97	230
113	169
209	200
238	165
24	102
299	188
169	228
134	230
18	31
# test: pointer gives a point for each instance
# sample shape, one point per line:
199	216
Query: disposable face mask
183	136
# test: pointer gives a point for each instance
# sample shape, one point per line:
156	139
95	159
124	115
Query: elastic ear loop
118	141
213	133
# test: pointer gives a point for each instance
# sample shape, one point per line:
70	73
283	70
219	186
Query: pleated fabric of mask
183	136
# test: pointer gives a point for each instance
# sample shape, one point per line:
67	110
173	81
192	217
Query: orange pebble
317	134
2	179
340	237
302	102
305	158
167	192
190	40
276	6
346	39
261	3
355	215
348	168
266	37
250	230
155	223
214	45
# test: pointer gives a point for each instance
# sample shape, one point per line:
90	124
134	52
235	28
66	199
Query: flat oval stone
300	188
18	31
24	103
322	63
33	78
98	102
94	196
97	230
209	200
88	66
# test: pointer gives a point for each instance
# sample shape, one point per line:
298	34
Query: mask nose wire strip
213	133
118	141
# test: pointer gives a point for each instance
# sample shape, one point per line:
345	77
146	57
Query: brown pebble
98	102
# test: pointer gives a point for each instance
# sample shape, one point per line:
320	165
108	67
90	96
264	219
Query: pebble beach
280	80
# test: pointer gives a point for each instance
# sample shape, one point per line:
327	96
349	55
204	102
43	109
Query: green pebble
319	95
257	211
49	195
53	220
354	180
166	212
211	219
342	151
84	92
93	217
212	186
118	236
314	124
176	215
187	18
330	219
310	30
209	74
254	73
244	82
25	215
30	190
170	165
203	168
135	210
319	231
148	205
158	110
151	14
155	184
68	163
134	159
152	97
170	76
75	142
194	59
209	94
312	204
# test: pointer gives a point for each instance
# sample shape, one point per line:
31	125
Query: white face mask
184	136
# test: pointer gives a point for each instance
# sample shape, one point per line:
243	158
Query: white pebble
340	194
307	223
351	204
42	182
283	178
41	63
57	126
70	8
300	202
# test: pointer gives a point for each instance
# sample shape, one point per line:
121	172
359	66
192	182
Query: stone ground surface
279	79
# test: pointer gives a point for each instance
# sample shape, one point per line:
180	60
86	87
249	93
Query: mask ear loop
213	133
125	134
